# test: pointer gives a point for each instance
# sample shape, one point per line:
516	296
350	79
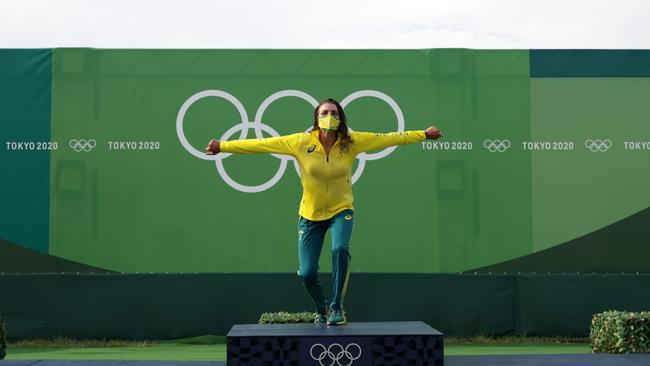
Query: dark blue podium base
389	343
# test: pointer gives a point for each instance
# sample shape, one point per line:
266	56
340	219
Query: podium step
383	343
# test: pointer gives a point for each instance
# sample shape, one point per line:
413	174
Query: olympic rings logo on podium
335	354
259	127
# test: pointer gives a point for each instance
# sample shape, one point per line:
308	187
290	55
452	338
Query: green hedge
283	317
3	339
620	332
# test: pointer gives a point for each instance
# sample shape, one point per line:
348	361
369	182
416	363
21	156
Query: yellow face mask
328	123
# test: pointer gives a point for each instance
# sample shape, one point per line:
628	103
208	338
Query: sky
332	24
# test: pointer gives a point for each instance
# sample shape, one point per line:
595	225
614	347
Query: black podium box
387	343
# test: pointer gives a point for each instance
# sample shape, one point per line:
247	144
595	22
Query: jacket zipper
327	177
327	171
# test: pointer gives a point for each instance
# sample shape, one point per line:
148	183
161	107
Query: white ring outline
196	97
362	157
241	187
267	102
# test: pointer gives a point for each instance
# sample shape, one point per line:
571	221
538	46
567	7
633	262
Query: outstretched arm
366	141
275	145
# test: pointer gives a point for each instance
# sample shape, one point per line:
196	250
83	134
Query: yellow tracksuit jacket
326	180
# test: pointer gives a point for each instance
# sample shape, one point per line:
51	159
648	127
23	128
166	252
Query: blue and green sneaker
336	317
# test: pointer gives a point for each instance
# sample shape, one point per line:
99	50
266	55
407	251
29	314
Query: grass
213	348
483	345
74	343
514	340
159	352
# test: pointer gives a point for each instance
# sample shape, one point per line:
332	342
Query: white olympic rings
598	145
331	358
258	127
496	145
82	145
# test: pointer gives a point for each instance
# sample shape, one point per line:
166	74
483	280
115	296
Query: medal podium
384	343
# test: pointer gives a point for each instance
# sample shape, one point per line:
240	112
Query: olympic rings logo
335	354
82	145
598	145
258	127
496	145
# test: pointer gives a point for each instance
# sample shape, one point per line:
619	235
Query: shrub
284	317
620	332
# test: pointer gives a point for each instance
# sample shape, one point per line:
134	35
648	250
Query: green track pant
310	243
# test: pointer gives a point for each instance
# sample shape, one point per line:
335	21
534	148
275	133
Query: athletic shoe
320	319
336	317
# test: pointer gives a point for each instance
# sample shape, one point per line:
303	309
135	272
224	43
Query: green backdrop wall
102	167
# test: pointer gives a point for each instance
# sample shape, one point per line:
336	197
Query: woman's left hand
432	133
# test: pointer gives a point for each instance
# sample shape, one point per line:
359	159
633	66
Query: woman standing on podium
326	156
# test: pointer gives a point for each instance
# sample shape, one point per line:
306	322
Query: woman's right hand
214	147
